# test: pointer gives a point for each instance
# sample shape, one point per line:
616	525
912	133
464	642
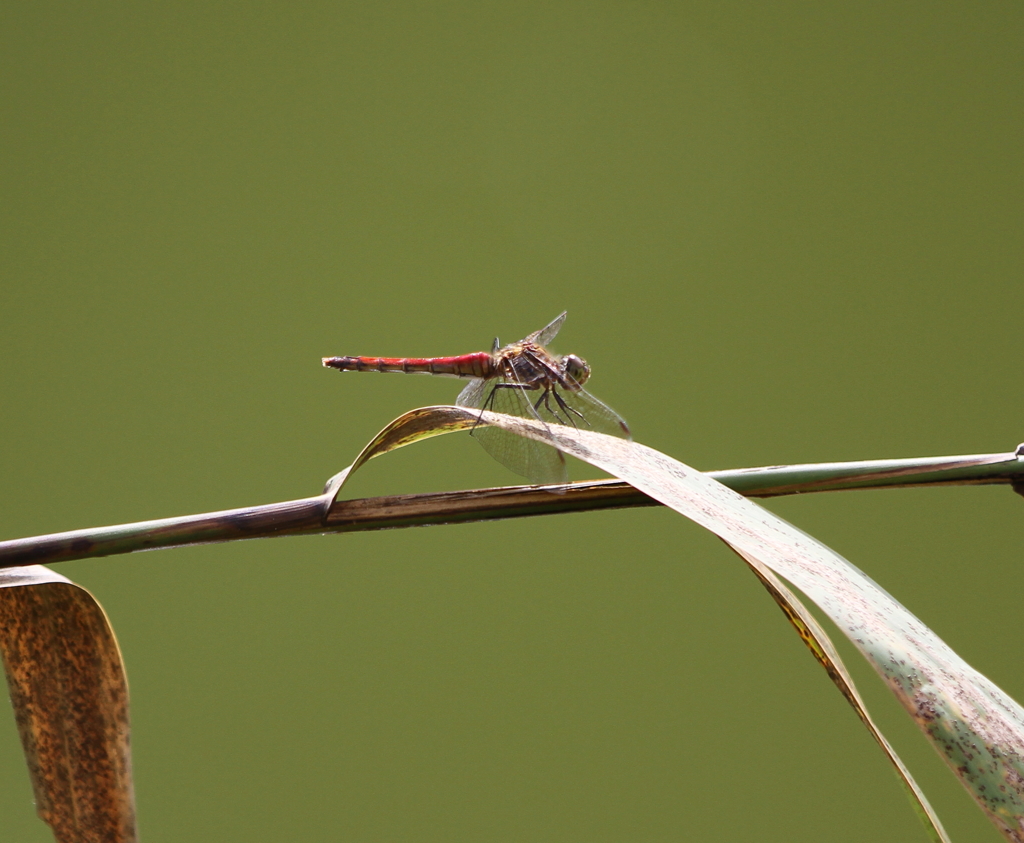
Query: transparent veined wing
549	331
587	413
540	463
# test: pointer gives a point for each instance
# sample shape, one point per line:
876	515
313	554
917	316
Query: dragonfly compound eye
576	368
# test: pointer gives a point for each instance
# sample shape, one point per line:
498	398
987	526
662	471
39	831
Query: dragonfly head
576	369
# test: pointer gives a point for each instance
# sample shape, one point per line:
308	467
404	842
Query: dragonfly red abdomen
480	364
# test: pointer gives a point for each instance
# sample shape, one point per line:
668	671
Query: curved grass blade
817	641
975	727
406	429
70	700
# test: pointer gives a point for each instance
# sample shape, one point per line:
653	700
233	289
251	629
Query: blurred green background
784	232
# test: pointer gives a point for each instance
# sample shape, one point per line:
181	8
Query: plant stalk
308	516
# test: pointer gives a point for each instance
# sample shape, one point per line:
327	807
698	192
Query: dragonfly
520	379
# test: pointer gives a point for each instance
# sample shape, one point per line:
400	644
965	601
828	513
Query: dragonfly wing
474	394
596	415
529	458
548	332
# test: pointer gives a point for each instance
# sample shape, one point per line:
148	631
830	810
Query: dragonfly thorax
576	369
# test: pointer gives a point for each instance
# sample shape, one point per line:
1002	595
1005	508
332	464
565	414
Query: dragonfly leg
567	410
545	400
498	386
565	418
489	403
485	406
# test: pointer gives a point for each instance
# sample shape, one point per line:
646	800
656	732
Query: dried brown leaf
70	700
